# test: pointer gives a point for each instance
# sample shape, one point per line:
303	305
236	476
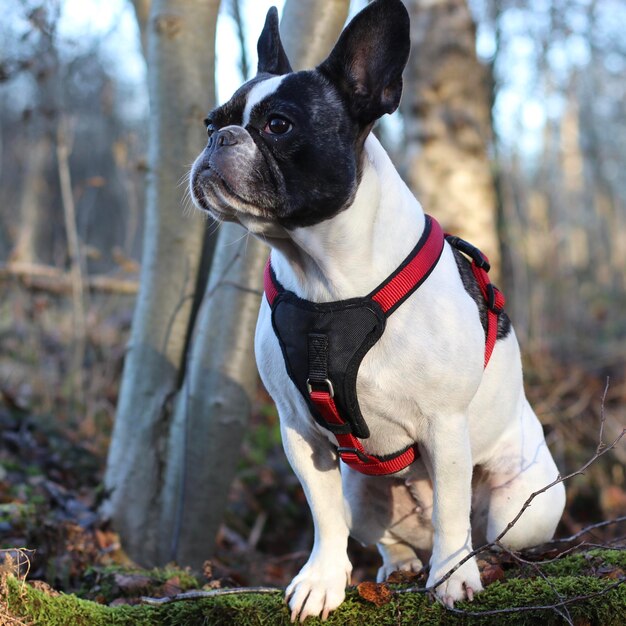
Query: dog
387	442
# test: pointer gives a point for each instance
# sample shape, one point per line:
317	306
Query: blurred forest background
513	123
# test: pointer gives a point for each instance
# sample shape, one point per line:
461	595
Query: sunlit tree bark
181	45
446	107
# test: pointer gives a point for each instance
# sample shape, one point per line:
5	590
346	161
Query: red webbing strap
495	303
271	291
350	449
415	269
413	272
389	295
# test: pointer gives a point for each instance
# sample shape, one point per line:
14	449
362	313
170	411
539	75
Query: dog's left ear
366	63
272	57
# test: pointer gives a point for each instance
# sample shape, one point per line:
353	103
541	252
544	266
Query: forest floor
53	443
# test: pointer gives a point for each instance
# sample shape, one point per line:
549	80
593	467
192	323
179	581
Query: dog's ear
272	57
366	63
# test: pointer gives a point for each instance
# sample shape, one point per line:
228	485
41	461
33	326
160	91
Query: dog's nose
225	137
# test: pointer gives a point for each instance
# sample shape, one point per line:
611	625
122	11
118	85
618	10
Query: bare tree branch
588	529
55	280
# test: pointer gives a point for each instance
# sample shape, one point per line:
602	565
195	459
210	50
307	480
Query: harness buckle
329	386
495	299
480	260
346	450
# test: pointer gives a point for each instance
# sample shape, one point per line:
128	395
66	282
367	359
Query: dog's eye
210	128
277	125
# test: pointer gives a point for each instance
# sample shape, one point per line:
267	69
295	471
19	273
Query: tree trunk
142	13
310	29
446	107
181	54
213	408
31	205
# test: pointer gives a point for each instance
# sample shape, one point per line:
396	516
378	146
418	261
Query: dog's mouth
212	192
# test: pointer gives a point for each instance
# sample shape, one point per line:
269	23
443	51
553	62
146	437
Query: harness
323	344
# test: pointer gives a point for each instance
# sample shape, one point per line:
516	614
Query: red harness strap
494	298
495	303
389	296
350	449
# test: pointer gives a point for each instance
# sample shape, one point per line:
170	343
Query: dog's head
285	150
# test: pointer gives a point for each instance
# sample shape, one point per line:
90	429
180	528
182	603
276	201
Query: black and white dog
291	157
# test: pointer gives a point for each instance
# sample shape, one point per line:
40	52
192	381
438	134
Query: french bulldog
292	158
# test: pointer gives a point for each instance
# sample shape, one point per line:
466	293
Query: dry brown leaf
401	577
41	585
376	593
611	572
490	572
171	587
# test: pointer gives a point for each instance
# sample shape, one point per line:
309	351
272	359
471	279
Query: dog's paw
407	565
318	589
461	585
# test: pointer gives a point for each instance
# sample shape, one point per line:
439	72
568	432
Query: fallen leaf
41	585
170	587
402	578
610	572
490	572
376	593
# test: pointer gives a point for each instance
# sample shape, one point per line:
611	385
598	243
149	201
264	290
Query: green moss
587	562
571	579
101	581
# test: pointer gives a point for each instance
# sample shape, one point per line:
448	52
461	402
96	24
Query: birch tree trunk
446	107
181	55
213	408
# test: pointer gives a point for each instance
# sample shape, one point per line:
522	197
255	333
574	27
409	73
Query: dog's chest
427	362
322	346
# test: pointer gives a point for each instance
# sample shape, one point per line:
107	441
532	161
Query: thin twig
544	607
579	546
587	529
197	595
599	452
602	417
565	614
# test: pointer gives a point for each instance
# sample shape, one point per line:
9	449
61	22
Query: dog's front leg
449	451
320	586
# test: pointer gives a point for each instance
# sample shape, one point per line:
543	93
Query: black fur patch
310	173
472	288
313	170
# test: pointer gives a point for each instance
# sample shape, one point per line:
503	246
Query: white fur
258	93
422	382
